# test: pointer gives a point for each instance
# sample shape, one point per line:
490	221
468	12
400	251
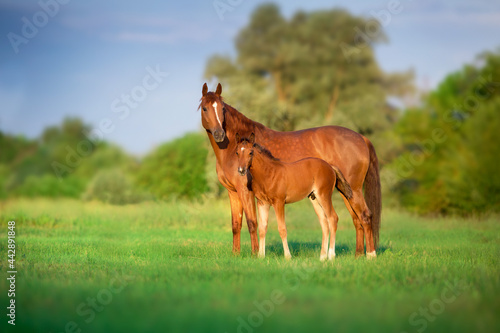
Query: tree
26	166
292	74
455	172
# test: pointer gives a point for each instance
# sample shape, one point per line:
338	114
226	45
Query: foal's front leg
263	216
279	208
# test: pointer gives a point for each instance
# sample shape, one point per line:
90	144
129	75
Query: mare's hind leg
364	216
263	216
318	208
360	237
279	209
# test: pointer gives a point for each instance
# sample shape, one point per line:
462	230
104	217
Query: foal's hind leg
325	200
263	216
279	209
324	226
332	222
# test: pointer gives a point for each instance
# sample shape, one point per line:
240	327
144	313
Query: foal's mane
260	149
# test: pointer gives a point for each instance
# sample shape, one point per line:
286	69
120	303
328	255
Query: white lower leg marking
331	251
288	255
216	113
262	247
370	255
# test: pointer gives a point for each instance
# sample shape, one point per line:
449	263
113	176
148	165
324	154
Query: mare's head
212	112
244	151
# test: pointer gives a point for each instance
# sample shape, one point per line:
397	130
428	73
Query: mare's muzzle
219	135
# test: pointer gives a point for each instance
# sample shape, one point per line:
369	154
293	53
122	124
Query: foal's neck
264	166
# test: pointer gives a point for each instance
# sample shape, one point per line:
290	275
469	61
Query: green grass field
168	267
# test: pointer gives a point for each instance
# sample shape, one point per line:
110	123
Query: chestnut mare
276	183
351	152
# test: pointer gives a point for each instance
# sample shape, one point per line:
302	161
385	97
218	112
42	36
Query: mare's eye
204	109
237	154
251	153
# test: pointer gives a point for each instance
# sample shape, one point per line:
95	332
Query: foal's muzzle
242	171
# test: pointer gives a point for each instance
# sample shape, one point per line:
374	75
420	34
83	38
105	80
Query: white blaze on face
216	113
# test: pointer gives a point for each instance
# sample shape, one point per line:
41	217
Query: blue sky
85	57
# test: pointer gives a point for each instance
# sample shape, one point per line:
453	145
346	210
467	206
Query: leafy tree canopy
293	73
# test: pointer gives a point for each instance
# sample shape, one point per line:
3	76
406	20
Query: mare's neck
234	122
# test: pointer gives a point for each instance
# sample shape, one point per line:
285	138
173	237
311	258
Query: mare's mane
265	151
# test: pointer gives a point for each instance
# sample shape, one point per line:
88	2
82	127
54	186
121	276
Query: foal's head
212	114
244	151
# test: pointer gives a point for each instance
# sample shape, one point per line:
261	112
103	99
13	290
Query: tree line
437	156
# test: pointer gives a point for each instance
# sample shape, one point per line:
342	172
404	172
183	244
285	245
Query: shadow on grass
305	249
382	248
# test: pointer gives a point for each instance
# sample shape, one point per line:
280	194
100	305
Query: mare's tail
373	194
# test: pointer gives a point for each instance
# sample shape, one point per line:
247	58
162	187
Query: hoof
371	255
288	257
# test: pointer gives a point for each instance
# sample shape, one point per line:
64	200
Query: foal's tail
342	185
373	195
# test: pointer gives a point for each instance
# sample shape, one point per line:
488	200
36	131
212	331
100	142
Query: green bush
176	169
49	185
112	186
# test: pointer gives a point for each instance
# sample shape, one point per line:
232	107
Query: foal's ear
238	138
204	90
252	138
219	90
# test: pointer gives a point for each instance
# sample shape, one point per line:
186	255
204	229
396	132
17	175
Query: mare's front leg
248	201
263	216
236	218
279	209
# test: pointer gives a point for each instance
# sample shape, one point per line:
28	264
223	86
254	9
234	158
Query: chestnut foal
276	183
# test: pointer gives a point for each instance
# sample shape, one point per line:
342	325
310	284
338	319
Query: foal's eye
204	109
237	154
251	153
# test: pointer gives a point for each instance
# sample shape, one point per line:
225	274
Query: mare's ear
252	138
238	138
219	90
204	90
